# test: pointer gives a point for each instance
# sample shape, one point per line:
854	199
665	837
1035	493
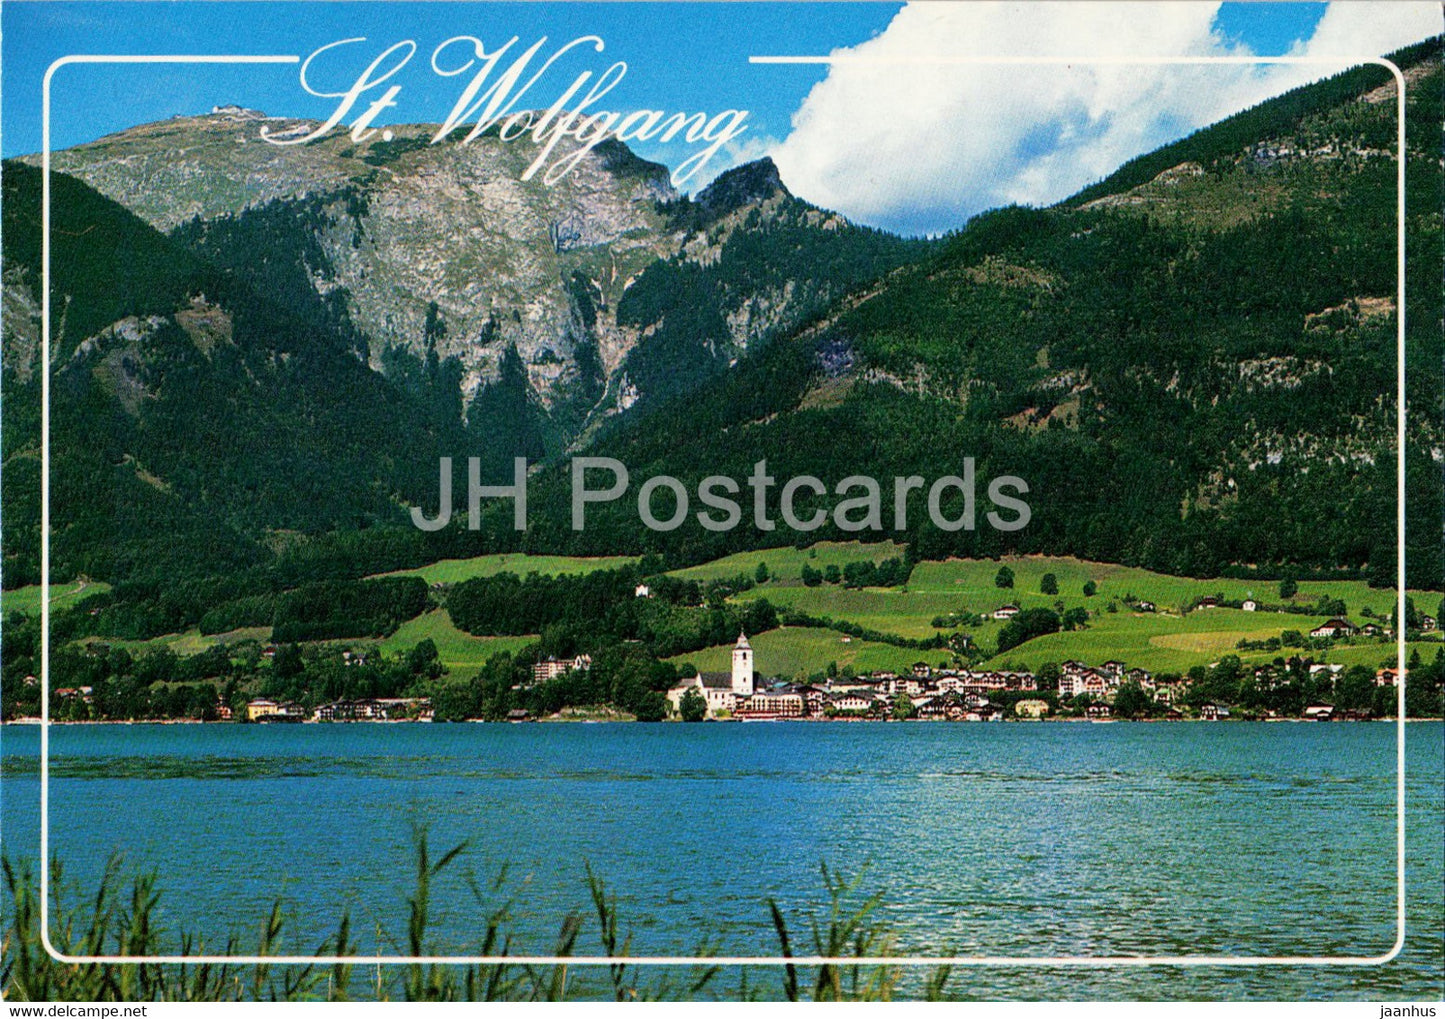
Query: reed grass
124	918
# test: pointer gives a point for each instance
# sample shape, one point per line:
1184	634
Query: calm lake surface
1005	839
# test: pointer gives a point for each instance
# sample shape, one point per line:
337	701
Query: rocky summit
444	250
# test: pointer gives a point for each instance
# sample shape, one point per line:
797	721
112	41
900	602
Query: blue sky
915	154
680	56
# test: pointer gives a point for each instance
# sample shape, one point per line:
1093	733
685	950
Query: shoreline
36	722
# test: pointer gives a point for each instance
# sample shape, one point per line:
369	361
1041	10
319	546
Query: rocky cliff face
407	233
442	251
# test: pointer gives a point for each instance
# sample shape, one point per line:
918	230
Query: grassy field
888	610
1150	641
460	652
1162	641
191	642
972	581
800	651
786	564
62	596
452	571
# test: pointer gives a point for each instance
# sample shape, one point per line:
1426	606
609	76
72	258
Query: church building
722	690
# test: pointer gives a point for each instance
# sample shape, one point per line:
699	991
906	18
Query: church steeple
743	667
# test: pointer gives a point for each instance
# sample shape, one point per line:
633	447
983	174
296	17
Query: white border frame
1344	63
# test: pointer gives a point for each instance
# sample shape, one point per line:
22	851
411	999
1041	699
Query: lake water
1005	839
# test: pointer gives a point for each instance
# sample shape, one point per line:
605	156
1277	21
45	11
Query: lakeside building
375	709
263	709
1031	709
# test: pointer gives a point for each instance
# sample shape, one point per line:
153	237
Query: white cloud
891	139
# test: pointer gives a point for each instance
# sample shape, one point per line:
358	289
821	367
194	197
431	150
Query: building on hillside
1250	605
1005	611
1210	712
1335	628
1389	677
550	669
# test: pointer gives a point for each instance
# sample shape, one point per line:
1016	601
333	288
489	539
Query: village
1072	690
947	694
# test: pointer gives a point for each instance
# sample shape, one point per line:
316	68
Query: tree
1090	588
1288	587
1004	577
693	706
1050	584
1132	702
1025	626
811	577
287	662
1356	689
761	576
903	706
1412	616
1048	676
651	707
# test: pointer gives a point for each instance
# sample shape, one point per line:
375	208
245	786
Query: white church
722	690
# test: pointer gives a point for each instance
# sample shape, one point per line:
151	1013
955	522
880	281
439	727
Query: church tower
743	667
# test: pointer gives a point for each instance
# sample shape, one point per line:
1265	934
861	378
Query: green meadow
802	650
453	571
972	580
906	613
1153	641
1162	641
786	563
459	651
187	643
62	596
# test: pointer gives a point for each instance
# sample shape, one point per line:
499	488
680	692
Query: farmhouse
1005	612
1250	605
1335	628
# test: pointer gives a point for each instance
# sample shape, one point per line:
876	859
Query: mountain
1191	363
193	420
259	355
462	282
